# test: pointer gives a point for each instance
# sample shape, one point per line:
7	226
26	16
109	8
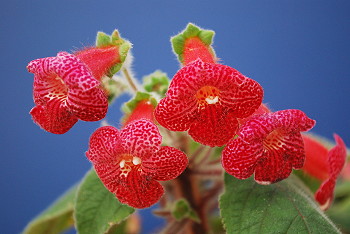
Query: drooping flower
64	91
130	162
206	99
324	165
268	145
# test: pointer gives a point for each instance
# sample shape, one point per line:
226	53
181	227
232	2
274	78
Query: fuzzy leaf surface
97	209
284	207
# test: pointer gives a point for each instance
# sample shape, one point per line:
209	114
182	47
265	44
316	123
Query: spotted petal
54	117
167	164
272	168
139	192
206	98
176	114
277	137
104	146
73	72
90	105
239	158
214	126
141	138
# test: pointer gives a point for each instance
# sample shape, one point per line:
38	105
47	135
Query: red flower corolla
99	60
325	165
130	162
206	99
65	91
268	145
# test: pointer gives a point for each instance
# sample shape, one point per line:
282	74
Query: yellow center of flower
129	162
207	95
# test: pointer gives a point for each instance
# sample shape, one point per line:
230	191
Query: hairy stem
130	80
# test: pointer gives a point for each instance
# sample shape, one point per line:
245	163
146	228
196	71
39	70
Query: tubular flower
130	162
269	145
206	99
325	165
65	91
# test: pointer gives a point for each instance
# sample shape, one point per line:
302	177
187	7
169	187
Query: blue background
298	50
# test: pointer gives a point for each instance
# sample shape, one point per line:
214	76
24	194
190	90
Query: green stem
130	80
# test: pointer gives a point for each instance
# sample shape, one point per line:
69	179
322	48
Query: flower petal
325	193
90	105
336	161
167	164
104	145
73	72
239	158
272	168
110	174
139	192
141	138
47	85
337	156
214	126
176	114
54	117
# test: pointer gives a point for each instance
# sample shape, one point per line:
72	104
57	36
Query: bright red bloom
269	145
325	165
130	162
65	91
206	99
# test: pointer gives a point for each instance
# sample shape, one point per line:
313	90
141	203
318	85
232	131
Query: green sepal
182	210
157	82
178	41
130	106
123	45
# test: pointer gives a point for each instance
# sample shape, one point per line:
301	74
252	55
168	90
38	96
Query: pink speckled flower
206	99
269	145
65	91
130	162
325	165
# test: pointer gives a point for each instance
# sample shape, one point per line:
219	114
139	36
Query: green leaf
284	207
339	213
56	218
97	209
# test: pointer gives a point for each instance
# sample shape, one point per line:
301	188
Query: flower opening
206	100
269	145
130	162
65	91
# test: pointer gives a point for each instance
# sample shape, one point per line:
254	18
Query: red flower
130	162
325	165
65	91
206	99
269	145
